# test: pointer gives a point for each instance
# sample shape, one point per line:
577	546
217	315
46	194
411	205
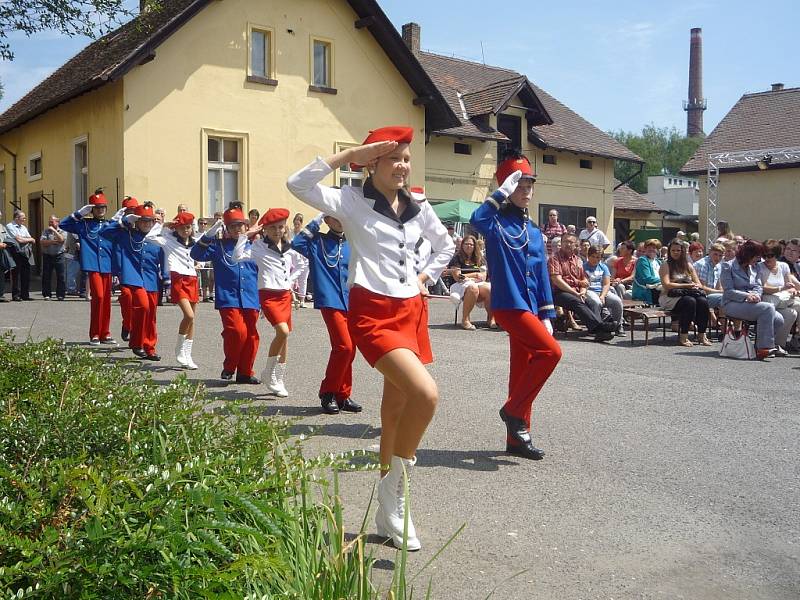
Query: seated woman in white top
782	289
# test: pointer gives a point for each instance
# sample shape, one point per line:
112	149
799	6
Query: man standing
22	253
569	283
552	229
54	248
594	236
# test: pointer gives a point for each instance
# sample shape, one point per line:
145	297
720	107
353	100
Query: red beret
184	218
509	165
394	133
144	212
129	202
233	215
98	199
273	215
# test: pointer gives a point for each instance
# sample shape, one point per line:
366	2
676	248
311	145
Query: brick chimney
696	104
777	87
411	34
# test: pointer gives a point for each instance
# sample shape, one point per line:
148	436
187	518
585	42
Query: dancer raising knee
522	300
388	315
177	242
274	289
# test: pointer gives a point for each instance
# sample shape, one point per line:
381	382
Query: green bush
114	487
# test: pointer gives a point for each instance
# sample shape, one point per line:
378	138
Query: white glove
548	325
319	218
130	219
510	184
118	215
85	210
212	231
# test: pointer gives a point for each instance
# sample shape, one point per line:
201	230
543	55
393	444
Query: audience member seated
570	284
583	249
708	270
600	292
696	252
646	281
682	294
622	267
742	297
468	270
730	247
791	255
593	235
781	289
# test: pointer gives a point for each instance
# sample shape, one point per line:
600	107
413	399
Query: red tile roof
761	121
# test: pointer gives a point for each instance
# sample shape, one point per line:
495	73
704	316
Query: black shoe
153	357
16	299
139	352
516	428
226	375
109	341
249	379
603	336
125	335
61	298
28	299
525	451
329	404
347	405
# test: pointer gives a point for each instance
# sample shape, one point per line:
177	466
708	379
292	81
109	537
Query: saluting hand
85	210
363	155
212	231
510	184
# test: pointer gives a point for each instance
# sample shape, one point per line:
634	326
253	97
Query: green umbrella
455	211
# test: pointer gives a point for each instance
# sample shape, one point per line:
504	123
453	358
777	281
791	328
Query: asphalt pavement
670	472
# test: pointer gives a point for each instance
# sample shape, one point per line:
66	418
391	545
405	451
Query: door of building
35	220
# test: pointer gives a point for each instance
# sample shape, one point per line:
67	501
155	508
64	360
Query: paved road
670	473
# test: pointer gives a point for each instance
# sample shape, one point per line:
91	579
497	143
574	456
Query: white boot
187	354
180	350
280	374
270	376
390	516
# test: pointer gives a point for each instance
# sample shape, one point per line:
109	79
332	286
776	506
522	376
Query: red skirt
277	306
183	286
379	324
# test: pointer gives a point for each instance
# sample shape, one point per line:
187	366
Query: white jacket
384	249
176	253
274	266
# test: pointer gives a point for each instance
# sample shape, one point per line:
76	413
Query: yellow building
758	188
500	109
203	103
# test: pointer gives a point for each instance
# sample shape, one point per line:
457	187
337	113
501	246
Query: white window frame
31	158
242	138
347	176
269	57
330	54
77	200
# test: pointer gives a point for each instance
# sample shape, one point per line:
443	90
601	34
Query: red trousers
100	290
125	306
239	339
339	373
143	318
534	356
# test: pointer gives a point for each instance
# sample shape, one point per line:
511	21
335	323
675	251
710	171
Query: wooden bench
645	314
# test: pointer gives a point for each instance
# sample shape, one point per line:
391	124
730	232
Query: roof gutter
621	183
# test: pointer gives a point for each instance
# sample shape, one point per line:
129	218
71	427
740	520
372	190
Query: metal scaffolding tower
762	159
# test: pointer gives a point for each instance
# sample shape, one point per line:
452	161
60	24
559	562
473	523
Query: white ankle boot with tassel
392	506
187	354
272	375
180	350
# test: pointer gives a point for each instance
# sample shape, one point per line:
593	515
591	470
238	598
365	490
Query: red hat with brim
144	212
98	199
233	215
508	166
273	215
394	133
184	218
129	202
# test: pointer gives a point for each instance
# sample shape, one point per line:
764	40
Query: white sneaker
180	350
780	351
391	514
187	354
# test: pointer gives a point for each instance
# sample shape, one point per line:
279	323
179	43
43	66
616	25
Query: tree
663	150
70	17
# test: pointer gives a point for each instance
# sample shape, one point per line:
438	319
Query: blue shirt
154	266
516	259
128	247
235	284
329	257
596	275
707	272
95	249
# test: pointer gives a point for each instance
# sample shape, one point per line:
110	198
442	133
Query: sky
621	65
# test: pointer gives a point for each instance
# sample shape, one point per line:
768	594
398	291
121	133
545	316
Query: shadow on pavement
477	460
353	431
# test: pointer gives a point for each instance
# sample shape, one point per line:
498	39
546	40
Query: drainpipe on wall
13	175
621	183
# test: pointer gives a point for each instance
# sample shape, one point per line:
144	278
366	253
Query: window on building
223	173
35	166
511	127
568	215
260	48
459	148
322	63
346	175
670	180
549	159
586	163
80	172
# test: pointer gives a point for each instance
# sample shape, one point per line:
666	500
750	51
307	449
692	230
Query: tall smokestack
696	104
